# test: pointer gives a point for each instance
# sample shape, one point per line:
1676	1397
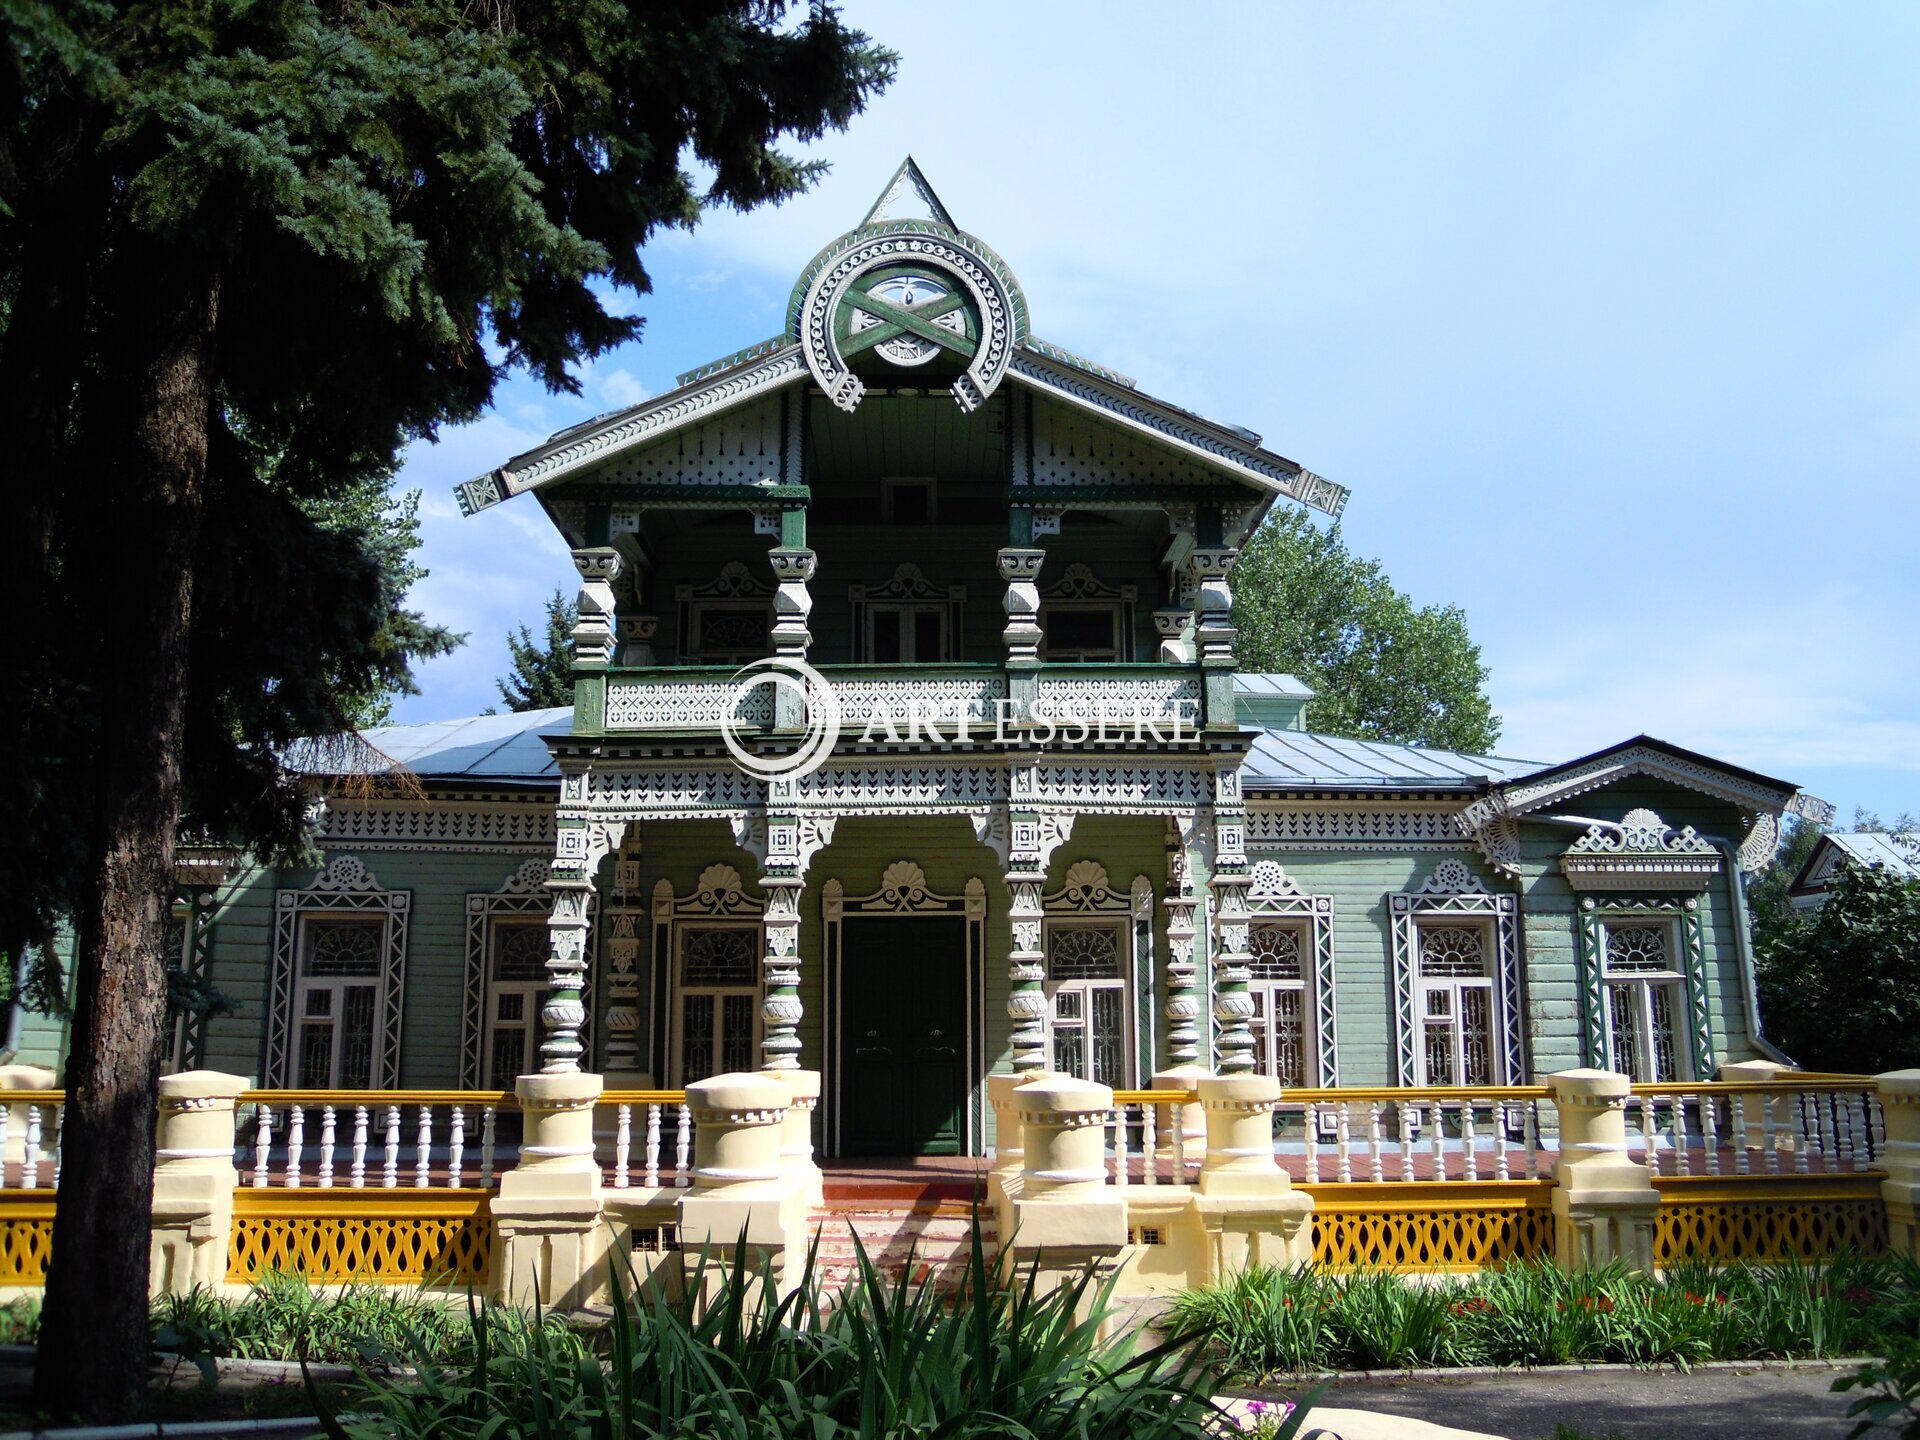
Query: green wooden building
908	745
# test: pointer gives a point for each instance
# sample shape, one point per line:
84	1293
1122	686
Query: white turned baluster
1876	1125
1530	1137
390	1172
296	1142
652	1151
486	1146
1343	1143
456	1145
423	1151
1436	1140
1120	1145
1737	1108
326	1147
357	1157
6	1115
1469	1142
682	1147
1843	1116
1405	1112
1710	1132
1650	1154
1149	1140
1312	1113
262	1142
1806	1134
1179	1145
1829	1158
1502	1140
1770	1134
33	1147
59	1142
1682	1162
622	1144
1375	1164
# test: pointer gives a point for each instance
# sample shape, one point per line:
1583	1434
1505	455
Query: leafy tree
1840	985
248	251
1769	910
542	675
1384	668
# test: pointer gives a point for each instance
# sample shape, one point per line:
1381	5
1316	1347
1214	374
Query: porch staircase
900	1220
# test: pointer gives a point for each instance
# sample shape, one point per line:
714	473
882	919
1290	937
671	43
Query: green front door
903	1036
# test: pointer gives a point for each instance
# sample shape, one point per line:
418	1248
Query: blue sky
1609	316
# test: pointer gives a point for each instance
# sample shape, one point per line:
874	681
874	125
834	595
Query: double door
903	1038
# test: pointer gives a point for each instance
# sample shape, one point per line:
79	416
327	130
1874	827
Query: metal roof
502	748
1282	759
1282	687
1900	855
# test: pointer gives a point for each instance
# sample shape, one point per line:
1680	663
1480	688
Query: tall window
1079	632
906	634
1457	1031
1087	996
516	986
729	634
1282	1044
1644	999
338	995
718	1031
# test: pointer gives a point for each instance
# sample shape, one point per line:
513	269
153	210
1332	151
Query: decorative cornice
440	825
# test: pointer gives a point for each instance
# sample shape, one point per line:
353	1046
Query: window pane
1109	1029
1476	1036
736	1033
886	637
509	1057
1083	952
519	950
344	947
356	1038
1452	950
911	504
1081	631
316	1056
728	632
1069	1052
715	956
696	1037
926	636
319	1002
1665	1062
1622	1012
1289	1037
1276	952
1066	1005
510	1005
1636	947
1439	1037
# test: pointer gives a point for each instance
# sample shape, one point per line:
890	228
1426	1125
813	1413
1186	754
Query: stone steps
937	1241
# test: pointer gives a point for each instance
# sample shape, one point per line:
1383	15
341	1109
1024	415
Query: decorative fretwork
1083	952
442	1236
522	896
1297	828
439	825
26	1239
1474	1228
670	704
1453	898
908	585
1645	927
1797	1220
1276	952
694	950
904	890
1282	913
1453	950
1641	853
345	890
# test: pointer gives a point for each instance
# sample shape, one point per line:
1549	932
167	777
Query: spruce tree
542	675
247	252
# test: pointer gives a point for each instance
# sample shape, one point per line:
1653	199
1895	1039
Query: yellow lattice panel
26	1237
1427	1225
1769	1219
389	1236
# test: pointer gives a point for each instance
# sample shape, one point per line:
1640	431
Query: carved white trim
635	703
437	825
523	892
346	884
1453	890
1303	828
1642	852
1272	892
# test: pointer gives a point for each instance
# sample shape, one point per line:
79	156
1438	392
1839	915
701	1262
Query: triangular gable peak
1492	821
905	289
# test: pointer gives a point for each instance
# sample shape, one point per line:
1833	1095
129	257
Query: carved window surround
1087	900
1453	894
907	590
1683	916
1079	591
904	891
346	886
719	897
1274	893
735	590
1642	852
523	893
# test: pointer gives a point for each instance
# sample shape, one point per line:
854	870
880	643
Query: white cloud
619	389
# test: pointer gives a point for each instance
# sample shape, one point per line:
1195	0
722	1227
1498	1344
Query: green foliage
1840	985
542	675
1891	1402
1384	668
281	1317
886	1360
1769	910
20	1321
1269	1321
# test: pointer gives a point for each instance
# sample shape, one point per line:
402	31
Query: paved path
1786	1404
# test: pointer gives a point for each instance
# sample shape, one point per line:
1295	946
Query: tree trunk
93	1339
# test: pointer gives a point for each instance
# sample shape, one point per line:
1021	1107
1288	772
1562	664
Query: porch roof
1299	759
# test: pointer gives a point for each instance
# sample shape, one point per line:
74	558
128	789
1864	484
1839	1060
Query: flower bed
1271	1321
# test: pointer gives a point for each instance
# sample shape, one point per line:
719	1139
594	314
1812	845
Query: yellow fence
1420	1225
26	1236
386	1237
1768	1218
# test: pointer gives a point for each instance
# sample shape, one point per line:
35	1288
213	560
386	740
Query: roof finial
908	196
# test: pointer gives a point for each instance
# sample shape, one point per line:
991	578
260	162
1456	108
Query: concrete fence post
194	1178
1604	1202
548	1215
1065	1215
739	1188
1187	1120
1900	1103
1248	1208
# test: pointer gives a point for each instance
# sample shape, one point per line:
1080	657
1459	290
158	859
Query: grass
282	1318
1270	1321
